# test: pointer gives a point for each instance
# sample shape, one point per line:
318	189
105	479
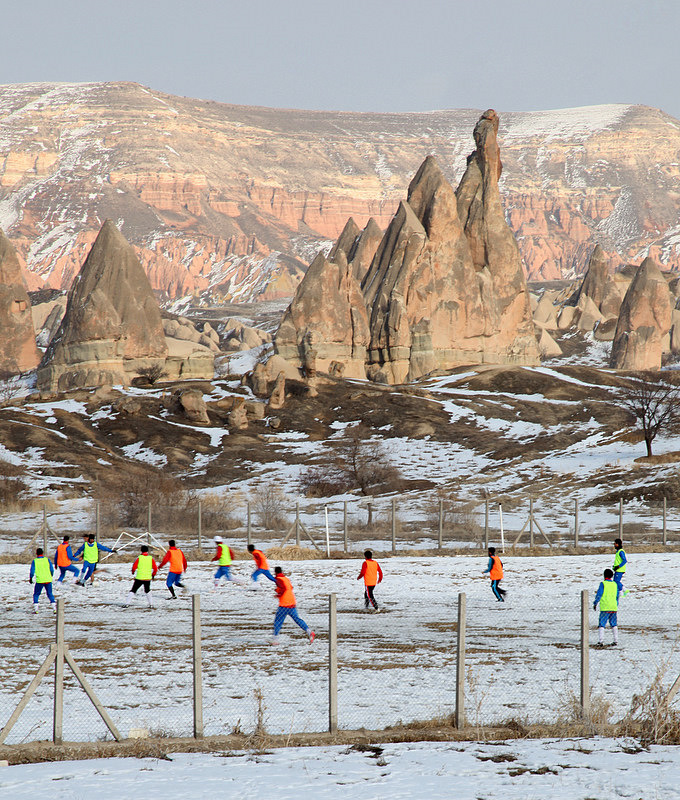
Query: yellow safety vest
91	553
41	570
617	561
144	568
225	557
608	601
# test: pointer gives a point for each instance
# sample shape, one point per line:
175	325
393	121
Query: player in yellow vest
144	569
42	571
89	550
608	597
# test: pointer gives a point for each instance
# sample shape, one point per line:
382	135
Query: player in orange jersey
178	564
287	606
372	575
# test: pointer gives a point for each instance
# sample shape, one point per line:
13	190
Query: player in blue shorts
608	597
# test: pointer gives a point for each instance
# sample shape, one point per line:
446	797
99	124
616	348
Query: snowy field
398	665
571	769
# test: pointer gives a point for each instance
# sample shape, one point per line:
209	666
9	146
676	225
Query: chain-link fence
522	659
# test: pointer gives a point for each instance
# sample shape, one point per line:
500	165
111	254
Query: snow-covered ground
398	665
571	769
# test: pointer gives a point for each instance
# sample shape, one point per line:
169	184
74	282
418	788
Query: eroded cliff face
233	202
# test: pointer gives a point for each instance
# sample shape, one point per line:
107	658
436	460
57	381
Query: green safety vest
617	561
225	558
144	568
91	553
608	601
41	570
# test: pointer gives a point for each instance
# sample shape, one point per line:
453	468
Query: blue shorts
223	572
607	617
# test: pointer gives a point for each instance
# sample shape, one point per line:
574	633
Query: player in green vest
144	569
608	597
90	550
42	571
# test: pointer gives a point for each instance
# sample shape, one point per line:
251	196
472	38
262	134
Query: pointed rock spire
596	277
18	351
112	325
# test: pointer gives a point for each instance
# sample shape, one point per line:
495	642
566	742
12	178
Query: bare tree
364	462
654	402
10	385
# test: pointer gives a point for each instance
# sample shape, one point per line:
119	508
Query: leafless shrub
10	385
163	492
653	403
365	463
651	717
323	481
269	503
153	373
13	487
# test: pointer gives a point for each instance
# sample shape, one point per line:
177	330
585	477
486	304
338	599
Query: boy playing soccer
495	570
287	606
42	571
372	575
619	567
261	564
608	597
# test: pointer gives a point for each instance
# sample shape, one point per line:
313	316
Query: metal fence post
486	524
148	524
394	525
620	517
297	523
531	522
198	667
585	654
576	523
248	531
665	532
58	721
440	540
200	527
45	530
460	663
97	522
344	525
332	664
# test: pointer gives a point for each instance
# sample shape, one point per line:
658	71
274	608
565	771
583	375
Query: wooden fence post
585	654
198	666
486	524
665	532
621	518
58	720
45	531
440	540
148	524
200	527
459	718
97	522
332	664
344	525
394	525
576	523
297	523
531	523
248	531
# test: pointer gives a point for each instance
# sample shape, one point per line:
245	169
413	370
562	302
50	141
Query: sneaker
599	645
312	636
172	597
626	592
614	644
35	609
54	608
275	640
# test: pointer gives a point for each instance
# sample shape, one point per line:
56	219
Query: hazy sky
363	55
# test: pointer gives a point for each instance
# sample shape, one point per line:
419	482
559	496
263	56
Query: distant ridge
232	202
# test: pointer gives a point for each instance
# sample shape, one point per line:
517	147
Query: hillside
231	201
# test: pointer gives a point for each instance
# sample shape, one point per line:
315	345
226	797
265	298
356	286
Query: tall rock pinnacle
18	351
112	324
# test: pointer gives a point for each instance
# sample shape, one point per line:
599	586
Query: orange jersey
62	555
261	560
370	572
284	589
496	571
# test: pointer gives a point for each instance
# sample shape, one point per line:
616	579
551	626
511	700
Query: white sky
514	55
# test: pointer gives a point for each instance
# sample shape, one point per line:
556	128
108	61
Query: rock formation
112	325
644	321
278	396
18	351
595	279
445	286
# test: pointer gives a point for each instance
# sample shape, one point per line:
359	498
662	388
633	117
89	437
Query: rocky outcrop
596	278
278	395
193	405
112	325
18	351
327	319
446	285
644	321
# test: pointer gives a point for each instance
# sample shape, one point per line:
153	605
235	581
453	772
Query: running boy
261	564
144	569
178	564
608	597
90	550
372	575
287	606
495	570
42	569
224	557
620	561
63	558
